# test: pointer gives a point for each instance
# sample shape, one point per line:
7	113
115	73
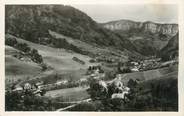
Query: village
97	76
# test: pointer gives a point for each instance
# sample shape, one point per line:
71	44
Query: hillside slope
170	51
60	62
151	74
33	23
57	58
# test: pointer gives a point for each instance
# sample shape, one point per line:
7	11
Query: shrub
35	56
23	47
10	41
44	66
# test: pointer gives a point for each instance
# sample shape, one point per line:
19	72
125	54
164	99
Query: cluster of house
143	65
118	89
22	56
63	83
134	66
36	88
150	64
94	72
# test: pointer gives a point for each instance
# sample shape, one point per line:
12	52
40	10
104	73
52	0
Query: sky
166	13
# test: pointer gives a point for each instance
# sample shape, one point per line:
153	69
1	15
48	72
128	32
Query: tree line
32	53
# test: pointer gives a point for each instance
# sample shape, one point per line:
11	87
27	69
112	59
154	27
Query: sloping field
92	48
10	50
16	69
137	75
150	74
167	70
59	59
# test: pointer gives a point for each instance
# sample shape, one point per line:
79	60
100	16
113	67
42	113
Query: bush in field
35	56
126	70
92	61
96	90
33	53
44	66
132	83
23	47
10	41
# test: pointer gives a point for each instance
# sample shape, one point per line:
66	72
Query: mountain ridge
148	37
150	26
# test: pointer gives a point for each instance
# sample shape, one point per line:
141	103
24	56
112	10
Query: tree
44	66
35	56
96	90
132	83
10	41
23	47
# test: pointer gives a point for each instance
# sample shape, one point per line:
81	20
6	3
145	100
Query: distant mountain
148	37
128	25
33	23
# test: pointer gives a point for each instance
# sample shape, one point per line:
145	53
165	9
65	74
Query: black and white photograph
91	57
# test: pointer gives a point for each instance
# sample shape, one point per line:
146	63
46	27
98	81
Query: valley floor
64	69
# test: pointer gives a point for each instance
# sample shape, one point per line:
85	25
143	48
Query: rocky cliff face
126	25
148	37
